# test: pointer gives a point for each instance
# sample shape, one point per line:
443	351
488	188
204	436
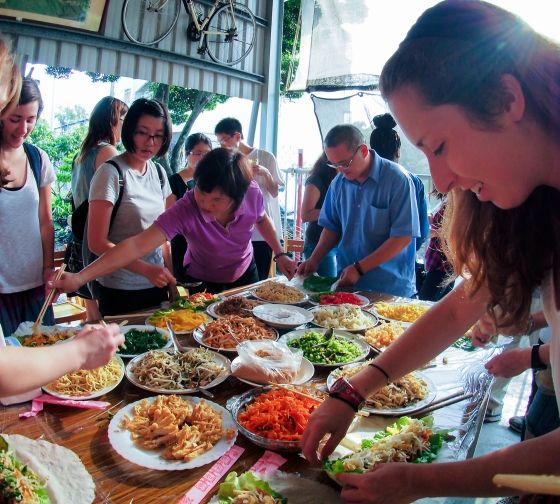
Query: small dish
282	316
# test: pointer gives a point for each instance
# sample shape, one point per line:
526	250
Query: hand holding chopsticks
48	300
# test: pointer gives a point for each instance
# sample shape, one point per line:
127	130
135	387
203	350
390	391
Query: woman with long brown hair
478	91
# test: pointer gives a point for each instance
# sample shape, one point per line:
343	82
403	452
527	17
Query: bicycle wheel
147	22
229	38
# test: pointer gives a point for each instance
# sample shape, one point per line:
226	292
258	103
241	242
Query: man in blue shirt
370	212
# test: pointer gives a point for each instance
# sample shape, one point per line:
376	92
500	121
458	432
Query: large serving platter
121	441
404	410
198	335
370	320
93	395
212	310
304	297
361	344
403	303
219	359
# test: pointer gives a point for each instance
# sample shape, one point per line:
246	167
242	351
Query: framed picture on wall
81	14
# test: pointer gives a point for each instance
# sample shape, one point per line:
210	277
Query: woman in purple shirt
217	218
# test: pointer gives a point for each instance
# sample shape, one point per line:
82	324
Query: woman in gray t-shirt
146	133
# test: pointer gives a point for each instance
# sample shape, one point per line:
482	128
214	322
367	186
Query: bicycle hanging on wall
226	32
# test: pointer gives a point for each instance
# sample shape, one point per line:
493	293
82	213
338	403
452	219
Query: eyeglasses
197	154
157	138
344	164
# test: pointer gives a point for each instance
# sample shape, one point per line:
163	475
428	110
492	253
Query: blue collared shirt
366	215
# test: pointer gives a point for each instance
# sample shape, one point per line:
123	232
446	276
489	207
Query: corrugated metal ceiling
173	61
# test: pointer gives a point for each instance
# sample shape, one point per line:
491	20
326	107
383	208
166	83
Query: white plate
404	410
298	333
368	315
93	395
400	301
121	441
25	330
364	300
304	298
198	335
217	358
125	329
305	373
278	315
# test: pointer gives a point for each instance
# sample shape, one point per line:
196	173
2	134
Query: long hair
103	123
321	167
457	53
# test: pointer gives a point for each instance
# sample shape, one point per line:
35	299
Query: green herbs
318	350
139	341
315	283
15	476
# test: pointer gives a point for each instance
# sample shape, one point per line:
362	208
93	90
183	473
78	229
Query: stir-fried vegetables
196	302
319	350
137	341
18	483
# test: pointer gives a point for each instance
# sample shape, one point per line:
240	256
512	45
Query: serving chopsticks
48	300
456	397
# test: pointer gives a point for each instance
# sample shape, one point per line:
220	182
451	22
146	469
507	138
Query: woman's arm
311	196
427	337
90	349
268	232
400	483
46	227
99	221
116	257
105	153
269	183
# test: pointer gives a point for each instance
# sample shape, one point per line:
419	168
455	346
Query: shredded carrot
278	414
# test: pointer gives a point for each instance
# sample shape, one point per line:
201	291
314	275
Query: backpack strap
159	170
121	191
35	161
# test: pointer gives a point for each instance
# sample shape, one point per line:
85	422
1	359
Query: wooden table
120	481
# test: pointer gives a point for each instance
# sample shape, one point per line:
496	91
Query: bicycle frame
200	26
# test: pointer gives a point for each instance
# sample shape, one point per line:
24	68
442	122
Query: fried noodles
85	382
190	370
279	292
227	332
182	429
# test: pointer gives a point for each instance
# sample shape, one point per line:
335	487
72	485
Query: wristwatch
342	389
536	362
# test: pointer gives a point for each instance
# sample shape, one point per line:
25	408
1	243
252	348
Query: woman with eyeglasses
99	145
143	283
197	146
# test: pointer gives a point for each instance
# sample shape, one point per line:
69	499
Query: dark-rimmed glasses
344	164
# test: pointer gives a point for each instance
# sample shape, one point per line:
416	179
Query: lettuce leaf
245	482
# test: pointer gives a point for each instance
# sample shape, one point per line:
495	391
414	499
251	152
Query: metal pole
299	179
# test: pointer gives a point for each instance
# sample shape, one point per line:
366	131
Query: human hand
48	275
68	282
287	266
332	417
349	276
306	268
159	276
510	363
384	485
97	344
